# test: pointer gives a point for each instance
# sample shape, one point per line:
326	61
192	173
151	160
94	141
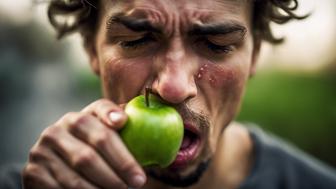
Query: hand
83	150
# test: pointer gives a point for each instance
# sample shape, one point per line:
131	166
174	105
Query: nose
174	80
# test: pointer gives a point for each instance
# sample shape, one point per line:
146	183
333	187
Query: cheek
124	79
221	84
218	77
230	80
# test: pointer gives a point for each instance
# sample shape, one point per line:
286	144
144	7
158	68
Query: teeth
186	141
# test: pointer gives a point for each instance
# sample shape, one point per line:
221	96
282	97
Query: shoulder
279	164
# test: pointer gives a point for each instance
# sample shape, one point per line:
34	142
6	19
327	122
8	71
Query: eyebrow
134	24
217	29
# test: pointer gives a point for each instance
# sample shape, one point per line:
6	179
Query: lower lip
184	156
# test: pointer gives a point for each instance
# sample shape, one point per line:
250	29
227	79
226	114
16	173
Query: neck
230	165
235	157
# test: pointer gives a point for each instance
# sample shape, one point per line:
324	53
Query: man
196	56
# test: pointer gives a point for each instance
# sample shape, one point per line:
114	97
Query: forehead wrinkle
154	16
179	15
217	8
167	20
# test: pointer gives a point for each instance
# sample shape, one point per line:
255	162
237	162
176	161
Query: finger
110	146
82	158
61	172
110	113
37	177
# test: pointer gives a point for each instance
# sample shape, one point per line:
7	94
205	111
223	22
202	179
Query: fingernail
138	181
115	116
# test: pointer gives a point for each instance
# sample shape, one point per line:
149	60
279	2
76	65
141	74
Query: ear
255	56
93	57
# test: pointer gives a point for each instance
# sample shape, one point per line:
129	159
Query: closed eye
218	49
215	48
133	44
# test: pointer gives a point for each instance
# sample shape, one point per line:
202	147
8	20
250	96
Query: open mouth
188	150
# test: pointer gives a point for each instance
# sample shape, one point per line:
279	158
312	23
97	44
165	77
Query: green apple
153	132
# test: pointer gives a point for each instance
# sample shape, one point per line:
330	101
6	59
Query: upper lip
192	128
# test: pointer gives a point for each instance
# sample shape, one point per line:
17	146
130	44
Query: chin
179	177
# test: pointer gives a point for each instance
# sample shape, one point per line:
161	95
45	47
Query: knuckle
49	135
68	117
31	171
36	154
101	140
77	121
81	119
127	166
28	178
74	118
84	158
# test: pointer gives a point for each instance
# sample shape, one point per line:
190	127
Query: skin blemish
217	76
220	77
201	72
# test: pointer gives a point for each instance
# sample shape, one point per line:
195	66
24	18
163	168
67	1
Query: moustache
200	120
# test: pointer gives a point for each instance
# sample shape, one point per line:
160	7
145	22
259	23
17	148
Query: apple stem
148	90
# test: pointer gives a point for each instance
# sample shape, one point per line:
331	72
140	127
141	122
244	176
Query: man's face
196	55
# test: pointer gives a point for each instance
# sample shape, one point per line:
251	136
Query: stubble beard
175	179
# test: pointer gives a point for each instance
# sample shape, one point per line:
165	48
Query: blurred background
292	95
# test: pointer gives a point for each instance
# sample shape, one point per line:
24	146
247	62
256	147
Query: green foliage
298	107
88	84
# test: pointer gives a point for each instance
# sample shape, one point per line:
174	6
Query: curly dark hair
68	16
